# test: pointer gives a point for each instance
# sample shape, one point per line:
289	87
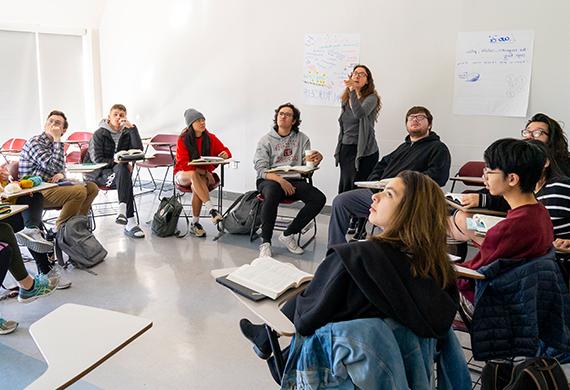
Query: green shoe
43	286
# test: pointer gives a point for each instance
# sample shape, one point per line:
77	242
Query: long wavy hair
557	141
419	227
368	89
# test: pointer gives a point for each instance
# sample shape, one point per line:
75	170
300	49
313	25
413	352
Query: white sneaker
291	244
63	283
33	239
265	250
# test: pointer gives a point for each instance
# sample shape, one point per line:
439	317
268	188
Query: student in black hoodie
422	151
403	273
116	133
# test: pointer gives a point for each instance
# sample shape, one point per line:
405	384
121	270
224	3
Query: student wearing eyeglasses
357	150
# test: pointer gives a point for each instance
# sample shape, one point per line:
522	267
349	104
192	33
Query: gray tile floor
195	342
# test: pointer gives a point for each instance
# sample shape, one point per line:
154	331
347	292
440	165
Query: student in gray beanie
196	142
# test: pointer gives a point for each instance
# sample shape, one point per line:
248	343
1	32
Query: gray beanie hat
191	115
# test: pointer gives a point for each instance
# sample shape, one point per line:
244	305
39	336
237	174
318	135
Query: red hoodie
183	158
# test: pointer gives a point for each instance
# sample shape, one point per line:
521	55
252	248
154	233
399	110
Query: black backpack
165	220
76	240
239	217
530	374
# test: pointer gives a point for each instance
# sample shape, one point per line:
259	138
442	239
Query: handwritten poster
329	58
493	73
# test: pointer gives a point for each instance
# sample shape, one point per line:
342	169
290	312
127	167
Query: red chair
12	147
188	190
469	169
165	147
79	141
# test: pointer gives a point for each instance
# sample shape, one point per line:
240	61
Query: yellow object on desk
25	183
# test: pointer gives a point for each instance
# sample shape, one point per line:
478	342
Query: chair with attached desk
77	140
164	146
471	169
12	148
76	339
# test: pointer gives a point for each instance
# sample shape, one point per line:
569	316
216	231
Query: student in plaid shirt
43	155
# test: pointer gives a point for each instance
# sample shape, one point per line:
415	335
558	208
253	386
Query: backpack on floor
239	217
530	374
165	220
76	240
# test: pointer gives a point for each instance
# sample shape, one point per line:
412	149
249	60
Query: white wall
237	60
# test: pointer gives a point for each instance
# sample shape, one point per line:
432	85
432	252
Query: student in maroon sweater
513	169
195	142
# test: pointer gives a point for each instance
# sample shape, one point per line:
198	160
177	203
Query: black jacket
373	279
102	146
429	156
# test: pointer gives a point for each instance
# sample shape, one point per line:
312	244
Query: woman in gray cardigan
357	151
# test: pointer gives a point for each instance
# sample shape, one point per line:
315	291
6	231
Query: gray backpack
165	220
76	240
239	217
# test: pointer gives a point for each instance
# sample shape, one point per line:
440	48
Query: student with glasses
421	151
543	128
357	150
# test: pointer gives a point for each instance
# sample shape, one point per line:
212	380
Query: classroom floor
195	342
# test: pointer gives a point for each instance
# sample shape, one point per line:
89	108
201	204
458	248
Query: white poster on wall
493	72
329	58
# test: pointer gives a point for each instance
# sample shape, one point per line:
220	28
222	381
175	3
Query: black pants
17	223
272	192
348	172
118	177
15	265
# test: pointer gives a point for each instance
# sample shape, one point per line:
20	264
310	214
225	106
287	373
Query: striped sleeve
555	196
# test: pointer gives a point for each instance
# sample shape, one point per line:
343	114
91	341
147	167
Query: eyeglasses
55	122
535	133
418	117
286	114
488	171
359	74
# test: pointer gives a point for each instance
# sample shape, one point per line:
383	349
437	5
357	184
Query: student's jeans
33	214
272	192
351	203
73	200
119	177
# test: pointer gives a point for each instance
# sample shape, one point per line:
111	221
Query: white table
75	339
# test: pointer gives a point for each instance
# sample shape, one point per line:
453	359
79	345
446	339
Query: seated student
285	145
31	288
421	151
514	167
403	273
43	155
545	129
195	142
116	134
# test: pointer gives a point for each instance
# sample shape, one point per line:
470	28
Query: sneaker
134	232
57	277
7	326
216	216
32	239
258	337
265	250
291	244
63	283
43	286
197	230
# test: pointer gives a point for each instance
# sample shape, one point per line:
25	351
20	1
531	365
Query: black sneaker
197	230
258	336
216	216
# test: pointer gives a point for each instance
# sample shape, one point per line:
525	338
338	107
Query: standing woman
357	151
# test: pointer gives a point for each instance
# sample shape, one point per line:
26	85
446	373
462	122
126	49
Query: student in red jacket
513	169
195	142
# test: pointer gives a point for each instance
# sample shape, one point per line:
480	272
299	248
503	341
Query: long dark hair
419	226
557	141
191	142
368	89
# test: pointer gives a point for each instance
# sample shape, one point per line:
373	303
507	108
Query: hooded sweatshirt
274	151
106	142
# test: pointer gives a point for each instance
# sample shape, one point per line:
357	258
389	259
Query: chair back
76	156
472	169
168	139
13	145
80	136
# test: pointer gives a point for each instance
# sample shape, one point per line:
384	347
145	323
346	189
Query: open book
289	168
269	276
207	159
375	185
454	197
482	223
131	154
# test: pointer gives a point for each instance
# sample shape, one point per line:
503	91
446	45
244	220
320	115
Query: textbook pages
269	276
207	159
296	168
